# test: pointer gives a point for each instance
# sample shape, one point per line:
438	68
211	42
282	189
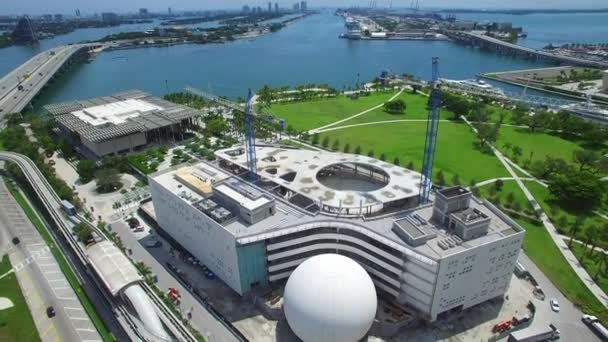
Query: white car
554	305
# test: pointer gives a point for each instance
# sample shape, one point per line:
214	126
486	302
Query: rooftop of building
288	218
363	181
104	118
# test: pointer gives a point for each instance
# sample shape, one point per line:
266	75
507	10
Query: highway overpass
19	87
486	42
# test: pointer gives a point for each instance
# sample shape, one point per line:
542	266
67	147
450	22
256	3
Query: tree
265	96
370	153
83	232
455	180
440	179
358	149
108	180
487	133
396	161
575	228
591	237
325	142
582	190
410	165
383	157
346	148
395	107
336	145
586	158
86	170
517	152
499	184
315	139
217	127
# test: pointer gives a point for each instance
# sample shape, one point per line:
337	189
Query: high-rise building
303	6
77	13
246	9
269	6
143	12
109	17
169	11
276	7
259	9
296	7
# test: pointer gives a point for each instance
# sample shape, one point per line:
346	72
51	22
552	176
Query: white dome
330	298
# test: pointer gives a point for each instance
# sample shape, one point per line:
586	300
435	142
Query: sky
18	7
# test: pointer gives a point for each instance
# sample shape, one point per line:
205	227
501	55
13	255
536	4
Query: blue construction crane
250	138
432	128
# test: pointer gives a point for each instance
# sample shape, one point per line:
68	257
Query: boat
474	85
588	110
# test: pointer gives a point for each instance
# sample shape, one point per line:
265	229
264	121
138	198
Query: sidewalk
555	236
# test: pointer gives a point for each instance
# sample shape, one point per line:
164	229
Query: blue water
308	51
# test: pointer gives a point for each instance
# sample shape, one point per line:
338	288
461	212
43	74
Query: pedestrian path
555	236
322	128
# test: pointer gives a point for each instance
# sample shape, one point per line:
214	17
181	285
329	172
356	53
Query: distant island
524	11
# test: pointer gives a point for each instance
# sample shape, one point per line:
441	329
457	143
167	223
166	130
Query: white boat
588	110
474	84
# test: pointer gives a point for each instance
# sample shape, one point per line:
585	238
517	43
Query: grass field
416	110
405	140
65	268
539	246
509	186
554	211
16	323
591	263
539	144
313	114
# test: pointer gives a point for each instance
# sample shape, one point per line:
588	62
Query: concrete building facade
434	259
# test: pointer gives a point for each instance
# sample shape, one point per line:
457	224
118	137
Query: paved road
41	280
568	319
32	76
202	320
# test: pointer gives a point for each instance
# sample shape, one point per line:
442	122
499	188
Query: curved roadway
111	310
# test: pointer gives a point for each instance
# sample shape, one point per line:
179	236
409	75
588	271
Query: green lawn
539	144
539	246
416	110
313	114
509	186
16	323
554	211
455	148
591	262
65	268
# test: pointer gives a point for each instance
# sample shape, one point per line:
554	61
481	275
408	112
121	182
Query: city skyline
15	7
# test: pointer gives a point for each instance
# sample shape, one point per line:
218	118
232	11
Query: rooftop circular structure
330	298
353	177
334	182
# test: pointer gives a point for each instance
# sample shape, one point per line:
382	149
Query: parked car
138	229
50	312
16	241
554	304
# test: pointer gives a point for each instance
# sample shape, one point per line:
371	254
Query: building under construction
121	123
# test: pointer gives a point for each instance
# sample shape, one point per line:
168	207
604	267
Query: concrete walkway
319	129
490	181
372	123
555	236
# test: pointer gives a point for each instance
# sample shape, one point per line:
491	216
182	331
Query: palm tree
575	228
591	236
